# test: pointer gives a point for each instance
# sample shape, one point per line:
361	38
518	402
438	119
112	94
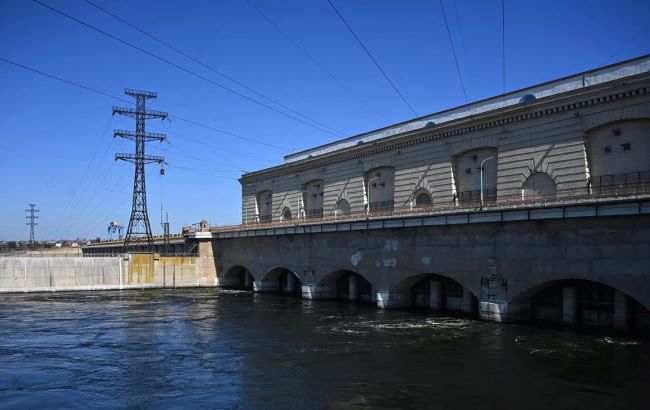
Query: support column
265	286
570	306
353	291
247	279
435	294
468	298
621	310
207	264
320	291
291	284
388	300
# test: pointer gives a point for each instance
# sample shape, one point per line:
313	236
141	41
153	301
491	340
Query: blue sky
56	144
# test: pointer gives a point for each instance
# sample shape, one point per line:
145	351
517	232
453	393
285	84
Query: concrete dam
530	205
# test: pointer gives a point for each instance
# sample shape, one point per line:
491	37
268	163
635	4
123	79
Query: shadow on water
215	348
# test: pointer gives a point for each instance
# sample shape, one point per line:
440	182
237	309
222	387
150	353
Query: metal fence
630	183
469	203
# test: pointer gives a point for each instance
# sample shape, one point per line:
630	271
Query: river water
212	348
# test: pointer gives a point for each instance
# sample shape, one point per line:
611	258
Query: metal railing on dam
612	194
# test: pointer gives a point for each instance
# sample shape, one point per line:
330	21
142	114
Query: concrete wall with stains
527	255
48	274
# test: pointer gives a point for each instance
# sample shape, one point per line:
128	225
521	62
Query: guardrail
513	201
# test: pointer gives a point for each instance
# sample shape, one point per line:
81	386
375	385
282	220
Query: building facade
587	134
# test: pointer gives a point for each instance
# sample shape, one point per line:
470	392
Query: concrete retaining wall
49	274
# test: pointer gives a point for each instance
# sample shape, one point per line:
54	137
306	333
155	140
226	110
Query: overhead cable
201	63
186	70
381	70
312	59
453	50
189	121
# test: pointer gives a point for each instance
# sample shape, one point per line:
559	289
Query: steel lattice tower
32	222
139	229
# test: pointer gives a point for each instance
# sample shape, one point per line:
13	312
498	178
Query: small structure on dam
530	205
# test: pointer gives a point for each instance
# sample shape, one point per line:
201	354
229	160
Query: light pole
483	162
377	176
302	204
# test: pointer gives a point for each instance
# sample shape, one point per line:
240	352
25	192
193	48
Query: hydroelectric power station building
395	215
574	136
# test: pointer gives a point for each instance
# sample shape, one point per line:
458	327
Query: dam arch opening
279	280
585	304
237	277
347	284
437	292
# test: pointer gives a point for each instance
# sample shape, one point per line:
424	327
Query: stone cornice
540	108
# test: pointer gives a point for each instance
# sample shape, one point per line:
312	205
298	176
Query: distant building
586	134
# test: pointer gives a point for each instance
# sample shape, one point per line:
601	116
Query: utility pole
139	229
32	222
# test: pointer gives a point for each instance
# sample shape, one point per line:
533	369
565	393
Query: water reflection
212	348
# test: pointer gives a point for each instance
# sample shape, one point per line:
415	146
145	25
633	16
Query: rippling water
225	349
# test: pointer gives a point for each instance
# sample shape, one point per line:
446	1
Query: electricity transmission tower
32	222
139	229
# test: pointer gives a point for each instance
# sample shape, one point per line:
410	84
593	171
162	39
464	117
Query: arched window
286	214
422	198
618	157
538	186
342	207
467	175
380	188
265	205
312	197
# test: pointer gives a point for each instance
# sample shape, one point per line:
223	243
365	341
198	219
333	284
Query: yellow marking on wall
142	270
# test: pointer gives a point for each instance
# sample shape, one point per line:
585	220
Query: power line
462	43
186	70
312	59
63	217
85	173
232	134
201	172
627	43
221	149
453	50
186	155
503	44
369	55
214	70
196	123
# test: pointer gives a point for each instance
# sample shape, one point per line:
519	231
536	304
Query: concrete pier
435	294
291	284
467	305
569	306
353	292
621	310
265	286
319	291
